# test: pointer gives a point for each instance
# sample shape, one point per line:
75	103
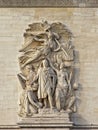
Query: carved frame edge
49	3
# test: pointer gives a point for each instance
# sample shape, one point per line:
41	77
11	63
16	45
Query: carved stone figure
47	82
62	87
49	49
50	45
28	101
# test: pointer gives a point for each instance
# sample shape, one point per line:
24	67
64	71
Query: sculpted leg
71	102
34	110
50	101
30	97
27	107
45	102
58	104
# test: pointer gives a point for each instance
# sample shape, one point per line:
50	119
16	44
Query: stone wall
83	22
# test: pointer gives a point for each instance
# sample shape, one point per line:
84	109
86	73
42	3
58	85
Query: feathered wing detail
34	39
67	49
22	80
62	30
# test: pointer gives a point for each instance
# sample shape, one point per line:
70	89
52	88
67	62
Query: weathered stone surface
47	121
49	3
47	74
83	23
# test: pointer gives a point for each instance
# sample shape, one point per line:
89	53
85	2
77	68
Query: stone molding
74	127
48	3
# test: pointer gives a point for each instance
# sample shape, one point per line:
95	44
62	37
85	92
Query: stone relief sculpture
47	64
28	102
46	80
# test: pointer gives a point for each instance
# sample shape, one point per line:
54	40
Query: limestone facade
83	22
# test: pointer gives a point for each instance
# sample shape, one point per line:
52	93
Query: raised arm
39	39
60	47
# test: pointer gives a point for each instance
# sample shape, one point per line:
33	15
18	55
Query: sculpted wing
22	80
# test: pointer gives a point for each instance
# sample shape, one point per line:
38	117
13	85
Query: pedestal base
47	121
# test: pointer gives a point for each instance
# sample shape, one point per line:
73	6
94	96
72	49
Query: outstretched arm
60	47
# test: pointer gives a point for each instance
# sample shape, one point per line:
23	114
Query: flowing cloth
46	76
